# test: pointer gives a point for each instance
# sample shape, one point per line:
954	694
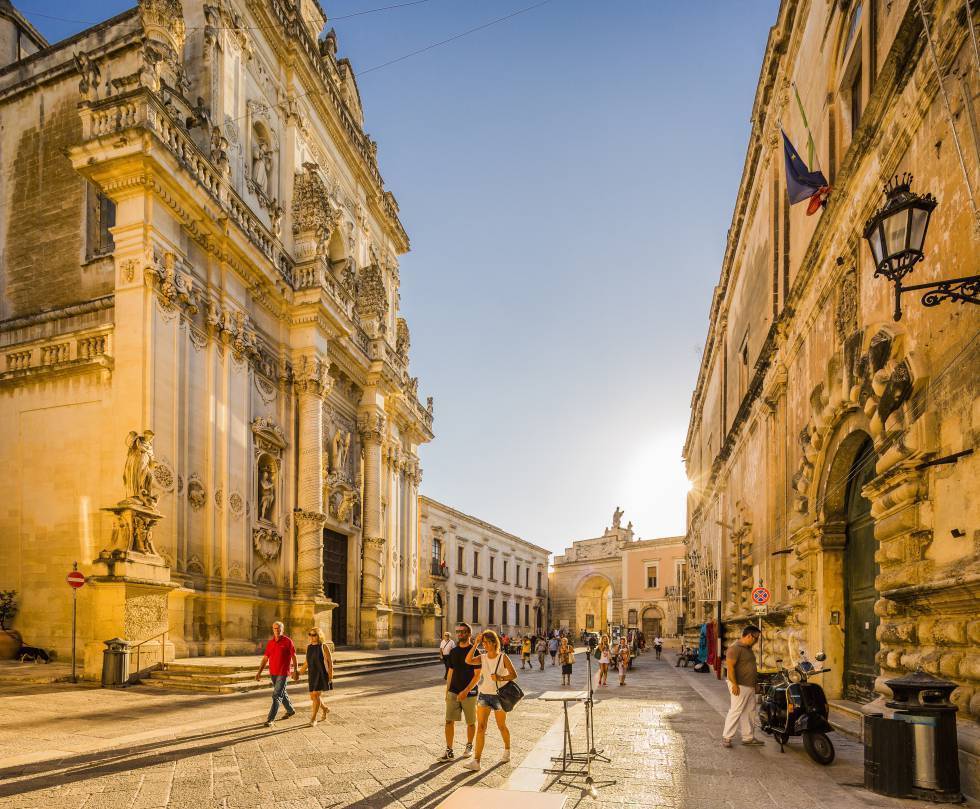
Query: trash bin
887	753
922	701
115	663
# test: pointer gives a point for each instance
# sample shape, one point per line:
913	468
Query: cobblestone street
66	746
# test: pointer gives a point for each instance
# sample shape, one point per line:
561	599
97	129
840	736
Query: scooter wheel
782	738
818	746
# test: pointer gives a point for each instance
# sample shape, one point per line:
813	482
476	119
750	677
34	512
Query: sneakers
506	755
472	764
447	756
468	751
726	742
754	743
269	724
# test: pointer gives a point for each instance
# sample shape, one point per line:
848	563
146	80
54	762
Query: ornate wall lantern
896	234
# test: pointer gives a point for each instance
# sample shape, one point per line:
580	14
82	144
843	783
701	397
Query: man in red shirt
280	654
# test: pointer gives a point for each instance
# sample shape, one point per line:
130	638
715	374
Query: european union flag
801	183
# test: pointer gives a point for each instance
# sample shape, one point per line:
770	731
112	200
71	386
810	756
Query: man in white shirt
445	648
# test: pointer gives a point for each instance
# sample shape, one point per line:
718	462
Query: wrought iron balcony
440	569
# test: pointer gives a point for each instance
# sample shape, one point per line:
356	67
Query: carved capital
310	376
309	520
371	426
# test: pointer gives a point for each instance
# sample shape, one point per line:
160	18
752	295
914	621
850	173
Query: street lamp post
896	234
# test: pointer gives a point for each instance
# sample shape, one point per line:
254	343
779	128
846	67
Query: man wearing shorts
553	648
461	680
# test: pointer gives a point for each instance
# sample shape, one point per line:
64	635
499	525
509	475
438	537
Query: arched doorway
860	572
652	623
594	604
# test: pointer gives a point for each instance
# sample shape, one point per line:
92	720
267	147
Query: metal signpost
75	581
760	606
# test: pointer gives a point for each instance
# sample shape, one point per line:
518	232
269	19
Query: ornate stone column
374	611
312	384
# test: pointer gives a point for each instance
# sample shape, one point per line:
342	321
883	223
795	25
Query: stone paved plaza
65	746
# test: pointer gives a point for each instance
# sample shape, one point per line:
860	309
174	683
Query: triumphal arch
205	379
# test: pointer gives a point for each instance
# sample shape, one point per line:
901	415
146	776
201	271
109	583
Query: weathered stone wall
770	499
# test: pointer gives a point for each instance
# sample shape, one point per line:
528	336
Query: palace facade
831	447
476	572
204	377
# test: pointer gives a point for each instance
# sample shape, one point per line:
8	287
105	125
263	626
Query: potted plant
10	640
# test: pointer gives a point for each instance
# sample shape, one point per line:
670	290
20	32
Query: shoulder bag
510	693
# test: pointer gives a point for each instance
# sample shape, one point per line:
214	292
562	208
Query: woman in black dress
319	665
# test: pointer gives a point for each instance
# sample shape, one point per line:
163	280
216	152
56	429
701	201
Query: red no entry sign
75	579
760	595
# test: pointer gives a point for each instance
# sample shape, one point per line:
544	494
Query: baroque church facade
205	378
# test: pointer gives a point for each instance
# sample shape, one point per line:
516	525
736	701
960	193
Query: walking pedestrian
461	680
658	645
526	652
566	656
622	660
444	649
604	658
319	665
542	650
742	678
495	670
553	648
280	654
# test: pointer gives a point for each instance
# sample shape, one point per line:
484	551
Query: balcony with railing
540	592
440	569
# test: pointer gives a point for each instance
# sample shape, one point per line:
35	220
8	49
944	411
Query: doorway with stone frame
651	623
860	573
335	582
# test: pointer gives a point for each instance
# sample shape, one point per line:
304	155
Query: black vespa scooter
792	706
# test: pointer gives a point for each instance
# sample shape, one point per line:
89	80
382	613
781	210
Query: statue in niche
267	493
341	451
617	517
88	86
261	165
138	471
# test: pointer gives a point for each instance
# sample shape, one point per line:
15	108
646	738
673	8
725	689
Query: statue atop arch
617	518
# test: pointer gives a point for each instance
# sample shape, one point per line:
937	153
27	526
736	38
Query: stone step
219	679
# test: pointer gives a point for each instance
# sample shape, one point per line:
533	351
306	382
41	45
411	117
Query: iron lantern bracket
957	290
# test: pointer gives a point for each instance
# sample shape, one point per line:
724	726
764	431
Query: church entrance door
335	582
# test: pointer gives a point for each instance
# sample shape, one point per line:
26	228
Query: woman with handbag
496	674
604	657
319	664
566	656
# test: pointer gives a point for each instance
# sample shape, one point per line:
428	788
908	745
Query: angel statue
138	471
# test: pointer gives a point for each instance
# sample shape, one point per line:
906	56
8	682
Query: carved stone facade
476	572
220	277
830	448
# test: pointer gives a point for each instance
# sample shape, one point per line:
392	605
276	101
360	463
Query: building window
459	560
517	575
855	102
631	618
539	579
503	613
476	563
505	571
679	573
476	609
490	606
436	550
653	571
460	618
492	560
743	369
527	578
527	615
101	215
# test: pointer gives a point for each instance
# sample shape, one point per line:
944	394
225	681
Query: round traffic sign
75	579
760	595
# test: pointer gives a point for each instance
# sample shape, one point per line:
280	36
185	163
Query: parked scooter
793	706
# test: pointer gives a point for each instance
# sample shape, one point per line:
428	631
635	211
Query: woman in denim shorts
495	670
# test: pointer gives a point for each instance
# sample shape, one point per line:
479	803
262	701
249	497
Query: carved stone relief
197	495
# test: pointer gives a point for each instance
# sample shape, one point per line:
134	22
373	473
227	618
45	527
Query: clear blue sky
567	178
